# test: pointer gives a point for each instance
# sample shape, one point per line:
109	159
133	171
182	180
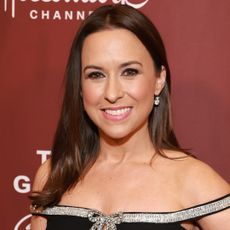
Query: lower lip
120	117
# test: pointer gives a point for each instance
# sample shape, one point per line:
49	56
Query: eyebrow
121	66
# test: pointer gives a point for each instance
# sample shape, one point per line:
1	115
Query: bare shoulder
38	222
199	182
203	184
41	176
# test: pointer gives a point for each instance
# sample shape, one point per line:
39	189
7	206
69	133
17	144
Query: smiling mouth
117	112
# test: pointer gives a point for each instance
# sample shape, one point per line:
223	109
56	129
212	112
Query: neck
136	147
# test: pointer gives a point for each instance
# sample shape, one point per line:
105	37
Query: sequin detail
101	220
107	221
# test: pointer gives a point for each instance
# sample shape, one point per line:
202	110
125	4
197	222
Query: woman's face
118	82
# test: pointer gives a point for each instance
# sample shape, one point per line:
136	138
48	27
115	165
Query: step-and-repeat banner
35	39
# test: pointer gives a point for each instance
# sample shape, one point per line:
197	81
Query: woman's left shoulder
200	183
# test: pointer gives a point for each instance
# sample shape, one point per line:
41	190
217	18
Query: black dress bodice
62	217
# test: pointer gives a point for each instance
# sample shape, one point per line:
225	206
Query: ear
160	81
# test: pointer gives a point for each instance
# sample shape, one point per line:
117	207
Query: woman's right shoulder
42	175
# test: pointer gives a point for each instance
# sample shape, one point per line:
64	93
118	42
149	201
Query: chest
125	190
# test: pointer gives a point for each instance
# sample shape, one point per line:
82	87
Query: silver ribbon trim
107	221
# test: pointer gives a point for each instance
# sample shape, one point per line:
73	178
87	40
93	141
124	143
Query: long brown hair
76	143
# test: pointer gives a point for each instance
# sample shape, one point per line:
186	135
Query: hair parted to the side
76	143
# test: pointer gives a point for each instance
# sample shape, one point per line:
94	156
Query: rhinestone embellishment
107	221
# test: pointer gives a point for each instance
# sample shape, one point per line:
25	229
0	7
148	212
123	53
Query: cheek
142	90
91	94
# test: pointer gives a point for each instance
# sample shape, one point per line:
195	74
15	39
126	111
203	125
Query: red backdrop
35	38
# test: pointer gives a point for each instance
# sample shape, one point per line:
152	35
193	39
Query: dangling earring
156	100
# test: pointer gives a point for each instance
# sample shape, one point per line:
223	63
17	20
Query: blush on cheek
92	93
88	96
90	103
141	91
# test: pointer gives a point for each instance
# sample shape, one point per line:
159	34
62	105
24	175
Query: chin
123	132
118	135
115	136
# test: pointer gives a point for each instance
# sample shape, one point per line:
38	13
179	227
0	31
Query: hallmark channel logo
23	223
10	6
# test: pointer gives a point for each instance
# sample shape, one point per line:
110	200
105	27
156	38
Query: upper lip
115	107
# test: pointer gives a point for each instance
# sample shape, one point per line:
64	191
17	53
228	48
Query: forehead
115	44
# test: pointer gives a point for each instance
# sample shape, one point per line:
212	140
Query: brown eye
130	72
95	75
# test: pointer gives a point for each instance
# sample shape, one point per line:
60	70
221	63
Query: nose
113	90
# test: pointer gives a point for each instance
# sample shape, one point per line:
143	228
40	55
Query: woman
115	161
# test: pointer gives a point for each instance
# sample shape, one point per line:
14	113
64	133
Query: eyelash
95	75
129	72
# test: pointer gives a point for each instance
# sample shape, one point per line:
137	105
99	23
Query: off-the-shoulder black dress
62	217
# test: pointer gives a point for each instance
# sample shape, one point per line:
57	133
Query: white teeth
117	112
